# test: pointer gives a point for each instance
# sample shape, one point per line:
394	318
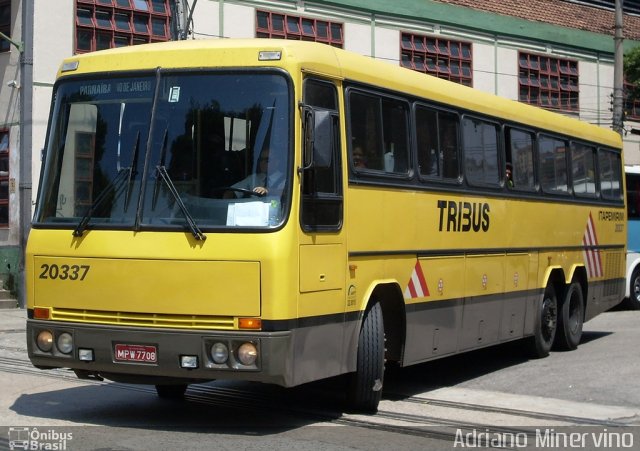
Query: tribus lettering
463	216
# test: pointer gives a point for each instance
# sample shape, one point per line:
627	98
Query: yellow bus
284	212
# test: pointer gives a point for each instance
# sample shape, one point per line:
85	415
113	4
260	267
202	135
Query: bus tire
174	391
570	318
633	301
546	324
365	385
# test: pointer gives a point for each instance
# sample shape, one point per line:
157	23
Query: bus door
322	256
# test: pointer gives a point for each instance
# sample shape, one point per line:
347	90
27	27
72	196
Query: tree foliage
632	70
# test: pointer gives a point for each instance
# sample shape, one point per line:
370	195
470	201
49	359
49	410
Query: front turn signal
250	323
41	313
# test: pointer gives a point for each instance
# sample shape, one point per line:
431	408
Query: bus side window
429	154
366	129
633	195
437	139
552	154
610	165
583	169
395	136
480	146
379	126
520	157
448	125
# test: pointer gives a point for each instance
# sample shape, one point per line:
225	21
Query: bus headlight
65	343
247	354
44	340
219	353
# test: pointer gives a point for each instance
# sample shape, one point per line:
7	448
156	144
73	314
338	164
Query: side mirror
318	138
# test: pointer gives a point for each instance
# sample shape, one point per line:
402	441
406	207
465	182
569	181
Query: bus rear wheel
175	391
546	324
570	318
364	389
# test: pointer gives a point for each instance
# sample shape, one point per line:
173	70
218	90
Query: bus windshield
167	149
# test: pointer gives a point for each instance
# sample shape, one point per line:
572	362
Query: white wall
387	45
239	21
53	40
358	38
593	107
484	67
507	68
206	20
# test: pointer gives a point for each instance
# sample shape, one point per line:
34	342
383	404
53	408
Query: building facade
557	54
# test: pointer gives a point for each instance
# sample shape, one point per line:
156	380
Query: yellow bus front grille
144	319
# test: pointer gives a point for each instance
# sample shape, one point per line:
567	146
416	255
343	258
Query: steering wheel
245	192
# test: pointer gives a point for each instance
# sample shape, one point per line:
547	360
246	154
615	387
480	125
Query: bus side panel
607	291
319	351
484	281
432	330
534	293
433	326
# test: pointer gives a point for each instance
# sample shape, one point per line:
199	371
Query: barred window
4	178
287	26
104	24
444	58
548	82
5	23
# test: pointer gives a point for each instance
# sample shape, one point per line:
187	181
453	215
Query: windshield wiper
195	230
132	171
163	154
114	187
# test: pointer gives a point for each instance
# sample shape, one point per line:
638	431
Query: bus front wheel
365	385
546	324
570	318
633	301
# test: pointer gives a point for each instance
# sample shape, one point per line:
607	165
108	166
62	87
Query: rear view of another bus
632	291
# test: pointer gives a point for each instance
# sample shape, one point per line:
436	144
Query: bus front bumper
144	355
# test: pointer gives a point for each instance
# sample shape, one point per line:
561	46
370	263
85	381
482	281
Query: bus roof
336	63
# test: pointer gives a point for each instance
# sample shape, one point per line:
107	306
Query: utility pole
26	141
618	68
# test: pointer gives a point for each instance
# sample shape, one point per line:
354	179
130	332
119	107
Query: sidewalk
12	319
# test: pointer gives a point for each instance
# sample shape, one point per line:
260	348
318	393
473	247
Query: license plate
136	353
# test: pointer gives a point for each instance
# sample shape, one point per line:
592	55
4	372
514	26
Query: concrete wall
10	120
484	68
52	42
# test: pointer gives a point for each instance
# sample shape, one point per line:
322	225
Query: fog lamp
247	354
44	340
189	361
65	343
219	353
86	355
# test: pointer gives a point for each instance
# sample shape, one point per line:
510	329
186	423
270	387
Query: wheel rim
549	318
575	311
636	288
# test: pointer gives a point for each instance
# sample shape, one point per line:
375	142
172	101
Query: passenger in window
359	160
509	175
262	181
